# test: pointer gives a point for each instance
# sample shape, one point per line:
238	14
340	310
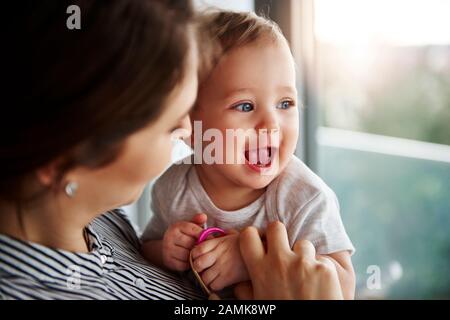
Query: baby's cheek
290	134
288	145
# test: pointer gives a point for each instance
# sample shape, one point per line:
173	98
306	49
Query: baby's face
253	87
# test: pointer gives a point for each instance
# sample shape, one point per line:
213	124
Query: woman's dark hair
75	95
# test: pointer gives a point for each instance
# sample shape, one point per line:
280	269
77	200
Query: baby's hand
220	262
178	241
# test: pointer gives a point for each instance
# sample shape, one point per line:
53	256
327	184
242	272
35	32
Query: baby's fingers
205	261
190	229
205	247
178	265
209	275
179	253
219	282
184	240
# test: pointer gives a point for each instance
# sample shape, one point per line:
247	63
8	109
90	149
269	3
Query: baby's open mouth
261	157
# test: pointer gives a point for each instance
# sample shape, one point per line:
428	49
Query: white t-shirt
297	197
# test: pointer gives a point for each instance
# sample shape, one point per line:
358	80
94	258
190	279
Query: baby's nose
269	122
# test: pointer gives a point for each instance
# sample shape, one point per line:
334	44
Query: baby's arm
173	250
222	265
344	267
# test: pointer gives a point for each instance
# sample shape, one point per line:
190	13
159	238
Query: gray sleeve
319	221
157	225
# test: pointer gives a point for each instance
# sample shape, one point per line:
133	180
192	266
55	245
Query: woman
90	114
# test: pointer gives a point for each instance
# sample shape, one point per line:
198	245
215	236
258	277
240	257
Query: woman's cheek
150	160
160	156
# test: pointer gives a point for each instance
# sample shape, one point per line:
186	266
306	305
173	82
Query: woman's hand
220	262
282	273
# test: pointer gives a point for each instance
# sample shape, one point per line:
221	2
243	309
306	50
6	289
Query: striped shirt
113	269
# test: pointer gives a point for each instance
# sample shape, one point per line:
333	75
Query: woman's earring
71	189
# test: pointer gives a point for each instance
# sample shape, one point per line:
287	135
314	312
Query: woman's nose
186	125
185	129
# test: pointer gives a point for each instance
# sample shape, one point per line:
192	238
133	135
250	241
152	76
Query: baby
251	86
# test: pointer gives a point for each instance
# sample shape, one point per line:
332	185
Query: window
383	98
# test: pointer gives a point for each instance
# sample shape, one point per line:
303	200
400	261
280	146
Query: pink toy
208	231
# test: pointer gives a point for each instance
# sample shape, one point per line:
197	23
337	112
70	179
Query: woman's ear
47	174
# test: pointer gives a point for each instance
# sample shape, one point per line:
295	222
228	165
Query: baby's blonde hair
222	31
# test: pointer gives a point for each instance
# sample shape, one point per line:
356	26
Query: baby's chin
256	180
260	183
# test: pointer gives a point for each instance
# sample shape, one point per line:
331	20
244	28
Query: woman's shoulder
116	226
33	271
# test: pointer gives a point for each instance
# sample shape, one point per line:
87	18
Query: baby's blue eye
244	107
285	104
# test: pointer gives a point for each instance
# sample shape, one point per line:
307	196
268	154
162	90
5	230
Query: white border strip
382	144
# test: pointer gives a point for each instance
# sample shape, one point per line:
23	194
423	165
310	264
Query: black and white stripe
114	269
